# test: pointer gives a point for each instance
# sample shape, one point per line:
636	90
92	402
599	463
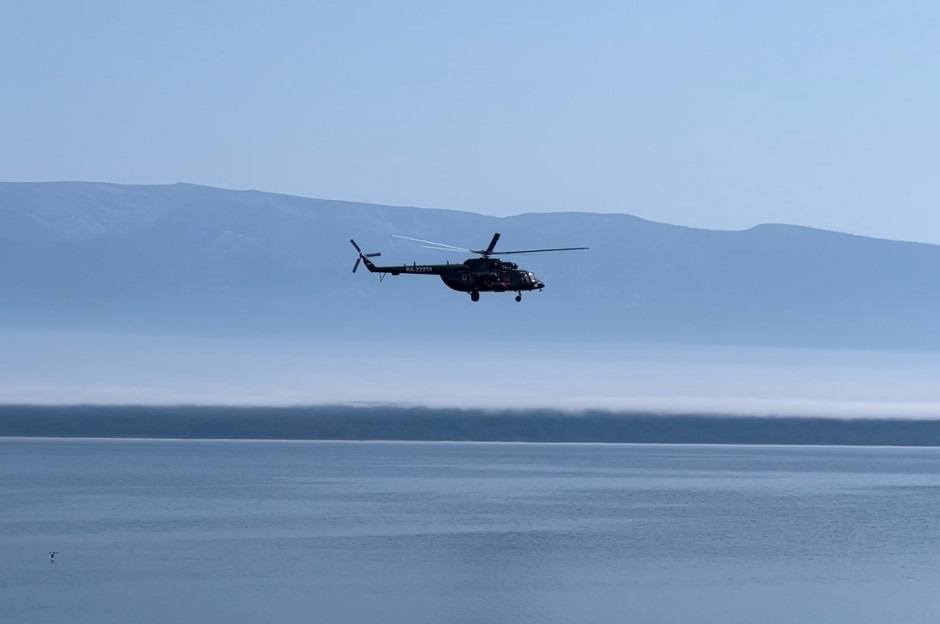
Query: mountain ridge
187	256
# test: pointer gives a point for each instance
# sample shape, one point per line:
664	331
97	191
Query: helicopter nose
539	284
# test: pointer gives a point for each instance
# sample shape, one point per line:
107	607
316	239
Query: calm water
171	531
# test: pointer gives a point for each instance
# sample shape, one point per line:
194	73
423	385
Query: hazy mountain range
185	257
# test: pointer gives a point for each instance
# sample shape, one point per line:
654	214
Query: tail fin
364	258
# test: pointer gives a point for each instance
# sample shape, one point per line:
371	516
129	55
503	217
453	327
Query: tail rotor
362	256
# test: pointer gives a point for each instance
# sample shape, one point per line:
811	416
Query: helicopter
473	275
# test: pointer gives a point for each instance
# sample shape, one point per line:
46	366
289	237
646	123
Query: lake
251	531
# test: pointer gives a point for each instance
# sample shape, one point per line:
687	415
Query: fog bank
111	369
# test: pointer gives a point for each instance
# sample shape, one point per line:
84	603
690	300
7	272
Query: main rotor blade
438	245
492	245
489	251
444	249
529	251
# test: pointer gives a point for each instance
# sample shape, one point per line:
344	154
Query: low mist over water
102	368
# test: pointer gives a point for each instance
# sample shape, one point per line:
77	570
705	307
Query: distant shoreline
411	424
15	439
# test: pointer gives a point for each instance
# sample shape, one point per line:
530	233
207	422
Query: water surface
191	531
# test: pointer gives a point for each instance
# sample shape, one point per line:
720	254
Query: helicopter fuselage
474	274
491	275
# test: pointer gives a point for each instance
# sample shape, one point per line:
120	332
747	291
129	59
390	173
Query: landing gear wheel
518	298
474	296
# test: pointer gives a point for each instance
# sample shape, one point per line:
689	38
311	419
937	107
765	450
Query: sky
720	115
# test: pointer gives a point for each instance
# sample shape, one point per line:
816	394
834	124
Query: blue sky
710	114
